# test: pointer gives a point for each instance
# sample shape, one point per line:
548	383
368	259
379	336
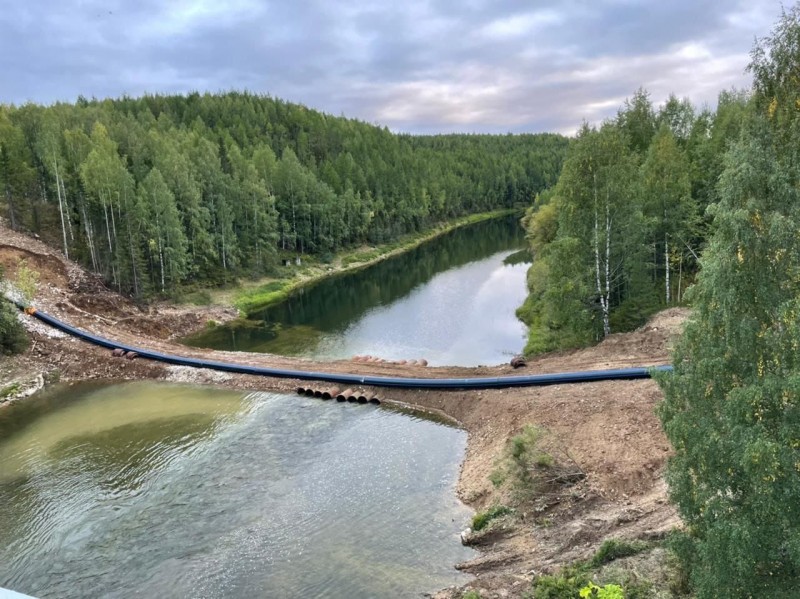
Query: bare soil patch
609	429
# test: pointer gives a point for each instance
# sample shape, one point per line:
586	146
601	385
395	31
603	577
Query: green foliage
27	281
609	591
612	549
532	473
263	296
732	405
13	338
10	390
618	237
159	192
482	519
567	584
471	594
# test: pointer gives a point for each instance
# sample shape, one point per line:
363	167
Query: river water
451	301
154	490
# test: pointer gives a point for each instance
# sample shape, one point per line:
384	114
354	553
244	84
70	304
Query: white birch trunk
61	208
66	211
666	266
606	325
600	294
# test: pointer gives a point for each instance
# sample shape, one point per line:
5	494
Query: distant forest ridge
158	191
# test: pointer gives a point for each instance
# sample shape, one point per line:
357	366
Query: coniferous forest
160	191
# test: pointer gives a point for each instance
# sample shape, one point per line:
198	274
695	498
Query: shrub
27	281
615	548
565	585
481	520
610	591
530	470
13	338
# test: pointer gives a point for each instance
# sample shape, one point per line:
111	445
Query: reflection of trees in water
336	302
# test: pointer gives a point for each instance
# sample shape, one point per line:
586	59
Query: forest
649	203
620	234
161	192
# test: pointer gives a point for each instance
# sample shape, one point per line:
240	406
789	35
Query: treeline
619	236
159	191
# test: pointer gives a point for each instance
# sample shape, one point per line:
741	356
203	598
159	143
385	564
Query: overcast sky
412	65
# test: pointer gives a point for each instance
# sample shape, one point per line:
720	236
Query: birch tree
667	202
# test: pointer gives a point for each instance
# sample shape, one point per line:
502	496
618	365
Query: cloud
417	66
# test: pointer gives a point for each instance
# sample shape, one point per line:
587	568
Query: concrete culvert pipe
301	390
354	397
361	397
374	400
309	392
344	395
329	393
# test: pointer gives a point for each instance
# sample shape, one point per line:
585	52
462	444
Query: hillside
163	192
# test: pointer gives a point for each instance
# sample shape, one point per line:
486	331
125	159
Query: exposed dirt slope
609	429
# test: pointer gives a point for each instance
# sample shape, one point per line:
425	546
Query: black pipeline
532	380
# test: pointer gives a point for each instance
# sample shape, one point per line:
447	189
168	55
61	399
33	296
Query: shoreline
622	495
251	296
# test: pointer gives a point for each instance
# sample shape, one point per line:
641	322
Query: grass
568	583
263	296
616	548
251	298
10	390
482	519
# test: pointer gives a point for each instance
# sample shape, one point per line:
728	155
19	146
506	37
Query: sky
416	66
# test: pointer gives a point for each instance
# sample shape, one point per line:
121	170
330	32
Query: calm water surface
451	301
153	490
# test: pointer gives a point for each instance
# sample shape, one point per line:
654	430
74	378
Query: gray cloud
418	66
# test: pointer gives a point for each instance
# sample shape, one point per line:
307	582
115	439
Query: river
451	301
155	490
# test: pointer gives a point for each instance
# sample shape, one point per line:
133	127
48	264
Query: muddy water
451	301
153	490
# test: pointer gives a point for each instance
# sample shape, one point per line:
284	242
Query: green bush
565	585
615	548
13	338
471	594
609	591
482	519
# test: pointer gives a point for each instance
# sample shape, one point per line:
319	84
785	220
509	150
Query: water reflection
451	301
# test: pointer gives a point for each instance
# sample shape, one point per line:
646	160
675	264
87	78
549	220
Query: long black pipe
376	381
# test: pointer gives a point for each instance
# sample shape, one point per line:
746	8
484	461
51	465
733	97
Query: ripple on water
156	490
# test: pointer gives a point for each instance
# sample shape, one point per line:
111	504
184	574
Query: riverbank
249	296
608	429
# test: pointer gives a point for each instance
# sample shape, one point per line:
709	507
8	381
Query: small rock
466	536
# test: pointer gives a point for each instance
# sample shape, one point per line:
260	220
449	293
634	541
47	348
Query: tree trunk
666	267
66	211
603	299
60	208
11	212
87	227
606	325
